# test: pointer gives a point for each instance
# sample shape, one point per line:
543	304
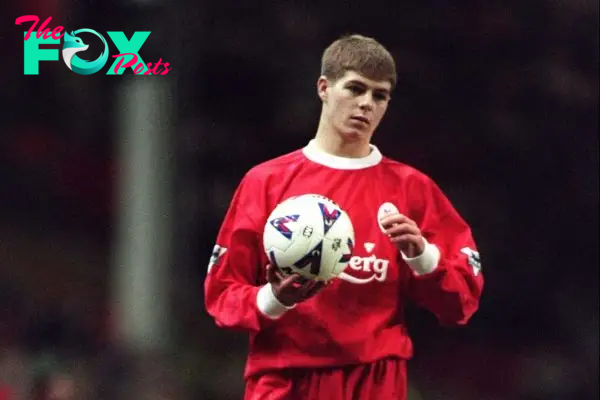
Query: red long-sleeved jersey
359	317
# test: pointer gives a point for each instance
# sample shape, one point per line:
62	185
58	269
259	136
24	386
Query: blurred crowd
497	102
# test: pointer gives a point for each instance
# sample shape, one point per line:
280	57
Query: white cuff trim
268	304
425	262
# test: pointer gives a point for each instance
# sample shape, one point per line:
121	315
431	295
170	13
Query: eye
380	96
355	89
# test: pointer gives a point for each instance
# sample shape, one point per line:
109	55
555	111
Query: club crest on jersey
385	209
329	217
280	224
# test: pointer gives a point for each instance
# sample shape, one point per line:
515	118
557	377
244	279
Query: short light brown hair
361	54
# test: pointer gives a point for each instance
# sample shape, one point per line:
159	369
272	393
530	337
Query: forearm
242	306
448	295
445	286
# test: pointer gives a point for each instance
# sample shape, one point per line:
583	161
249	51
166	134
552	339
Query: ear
322	86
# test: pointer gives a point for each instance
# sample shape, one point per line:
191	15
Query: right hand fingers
303	293
294	281
274	275
311	289
291	281
295	288
302	286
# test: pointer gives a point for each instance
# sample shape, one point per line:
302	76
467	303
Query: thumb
270	273
410	250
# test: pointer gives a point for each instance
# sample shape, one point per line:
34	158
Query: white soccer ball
309	235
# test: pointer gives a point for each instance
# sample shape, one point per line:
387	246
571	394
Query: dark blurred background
112	188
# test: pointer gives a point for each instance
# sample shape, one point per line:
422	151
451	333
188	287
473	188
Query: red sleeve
453	289
233	296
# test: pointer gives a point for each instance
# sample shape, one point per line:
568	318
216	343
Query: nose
366	102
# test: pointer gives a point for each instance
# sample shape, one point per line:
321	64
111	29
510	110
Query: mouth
360	118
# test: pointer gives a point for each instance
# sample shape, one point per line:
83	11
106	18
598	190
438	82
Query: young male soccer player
347	339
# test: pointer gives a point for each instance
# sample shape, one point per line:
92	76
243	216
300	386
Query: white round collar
315	154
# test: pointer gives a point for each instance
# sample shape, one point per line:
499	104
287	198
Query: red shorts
382	380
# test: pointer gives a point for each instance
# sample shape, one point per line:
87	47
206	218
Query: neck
332	142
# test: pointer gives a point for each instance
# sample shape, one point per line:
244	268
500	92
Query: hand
405	233
292	289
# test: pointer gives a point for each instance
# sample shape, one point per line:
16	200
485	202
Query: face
354	105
